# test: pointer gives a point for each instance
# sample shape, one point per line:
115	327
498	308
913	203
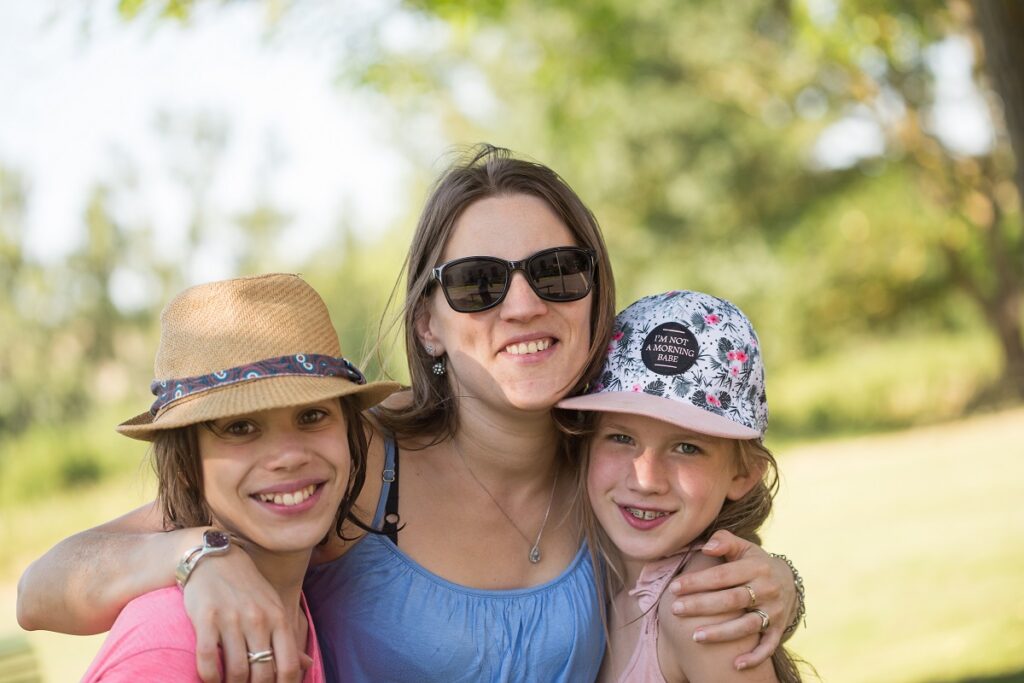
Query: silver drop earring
429	348
438	366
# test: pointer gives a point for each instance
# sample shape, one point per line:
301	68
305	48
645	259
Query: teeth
528	347
645	515
288	499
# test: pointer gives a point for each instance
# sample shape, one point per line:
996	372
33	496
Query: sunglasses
476	283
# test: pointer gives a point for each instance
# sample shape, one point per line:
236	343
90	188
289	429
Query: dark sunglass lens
474	285
562	275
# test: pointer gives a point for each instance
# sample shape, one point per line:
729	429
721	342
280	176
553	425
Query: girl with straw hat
257	437
481	572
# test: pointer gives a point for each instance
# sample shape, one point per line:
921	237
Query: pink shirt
153	640
654	577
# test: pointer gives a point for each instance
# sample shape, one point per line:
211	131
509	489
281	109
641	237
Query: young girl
256	433
676	455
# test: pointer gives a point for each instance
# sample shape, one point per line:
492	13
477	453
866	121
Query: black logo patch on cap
670	349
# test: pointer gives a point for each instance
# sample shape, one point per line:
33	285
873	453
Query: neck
500	446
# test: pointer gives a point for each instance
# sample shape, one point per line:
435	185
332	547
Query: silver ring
753	596
261	656
765	621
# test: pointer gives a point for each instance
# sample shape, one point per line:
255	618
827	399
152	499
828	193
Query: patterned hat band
168	391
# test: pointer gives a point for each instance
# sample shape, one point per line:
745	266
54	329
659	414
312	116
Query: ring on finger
765	621
261	656
753	596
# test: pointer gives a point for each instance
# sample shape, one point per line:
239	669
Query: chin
538	398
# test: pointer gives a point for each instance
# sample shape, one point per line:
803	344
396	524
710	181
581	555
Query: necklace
534	555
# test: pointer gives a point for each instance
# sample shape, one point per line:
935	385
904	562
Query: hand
231	604
722	589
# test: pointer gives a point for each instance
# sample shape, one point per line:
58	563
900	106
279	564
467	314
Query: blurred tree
1002	26
711	134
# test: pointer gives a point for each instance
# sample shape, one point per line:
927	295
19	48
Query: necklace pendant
534	555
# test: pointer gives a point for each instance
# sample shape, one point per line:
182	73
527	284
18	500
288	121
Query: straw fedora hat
245	345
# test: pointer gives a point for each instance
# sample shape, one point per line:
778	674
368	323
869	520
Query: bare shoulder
684	659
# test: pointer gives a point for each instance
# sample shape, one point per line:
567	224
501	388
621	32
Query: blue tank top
382	617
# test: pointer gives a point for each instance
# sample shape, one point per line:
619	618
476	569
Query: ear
743	482
424	331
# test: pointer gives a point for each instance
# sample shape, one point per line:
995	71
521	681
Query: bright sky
81	104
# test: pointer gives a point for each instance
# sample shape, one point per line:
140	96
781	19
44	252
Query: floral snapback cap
686	358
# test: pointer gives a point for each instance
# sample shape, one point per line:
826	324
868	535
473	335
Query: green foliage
51	458
689	128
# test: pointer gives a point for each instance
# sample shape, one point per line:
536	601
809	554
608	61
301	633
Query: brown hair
742	517
486	171
179	472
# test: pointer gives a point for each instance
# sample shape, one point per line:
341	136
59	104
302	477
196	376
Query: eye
238	428
624	439
312	416
687	448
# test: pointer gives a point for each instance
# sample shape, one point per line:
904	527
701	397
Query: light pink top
643	666
153	640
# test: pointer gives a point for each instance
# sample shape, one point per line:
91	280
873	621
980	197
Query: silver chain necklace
534	555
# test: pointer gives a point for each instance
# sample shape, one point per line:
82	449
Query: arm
719	590
81	584
682	658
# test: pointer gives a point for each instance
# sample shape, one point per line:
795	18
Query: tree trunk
1001	23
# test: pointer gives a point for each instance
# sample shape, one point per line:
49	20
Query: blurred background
844	170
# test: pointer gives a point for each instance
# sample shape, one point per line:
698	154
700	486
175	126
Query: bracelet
801	607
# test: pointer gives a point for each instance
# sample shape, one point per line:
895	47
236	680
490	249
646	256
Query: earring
438	366
429	348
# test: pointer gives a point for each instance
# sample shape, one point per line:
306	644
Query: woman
509	305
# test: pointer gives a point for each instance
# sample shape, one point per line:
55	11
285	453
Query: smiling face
277	477
524	353
656	487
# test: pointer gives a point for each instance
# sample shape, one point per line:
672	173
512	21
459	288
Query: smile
525	348
290	498
646	514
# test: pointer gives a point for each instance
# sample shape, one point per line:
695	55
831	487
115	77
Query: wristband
215	542
798	583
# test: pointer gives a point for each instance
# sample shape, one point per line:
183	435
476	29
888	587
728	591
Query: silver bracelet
801	607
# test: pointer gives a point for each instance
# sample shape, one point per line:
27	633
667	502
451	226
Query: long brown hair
743	517
486	171
179	472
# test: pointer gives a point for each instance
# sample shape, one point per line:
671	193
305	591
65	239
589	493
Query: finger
207	653
255	627
710	604
236	662
287	657
747	624
723	576
261	671
765	648
729	546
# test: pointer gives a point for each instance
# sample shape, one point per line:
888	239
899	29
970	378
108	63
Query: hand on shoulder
682	658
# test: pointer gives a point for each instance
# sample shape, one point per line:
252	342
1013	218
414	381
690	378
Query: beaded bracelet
798	583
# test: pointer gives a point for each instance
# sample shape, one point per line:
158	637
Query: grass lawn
911	545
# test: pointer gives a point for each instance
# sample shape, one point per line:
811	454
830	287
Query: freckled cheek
603	474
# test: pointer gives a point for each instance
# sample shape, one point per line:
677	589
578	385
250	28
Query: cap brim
665	409
253	396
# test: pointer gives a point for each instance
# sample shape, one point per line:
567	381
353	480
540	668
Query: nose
521	302
648	475
286	450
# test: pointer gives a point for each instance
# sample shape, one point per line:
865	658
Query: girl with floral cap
675	454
